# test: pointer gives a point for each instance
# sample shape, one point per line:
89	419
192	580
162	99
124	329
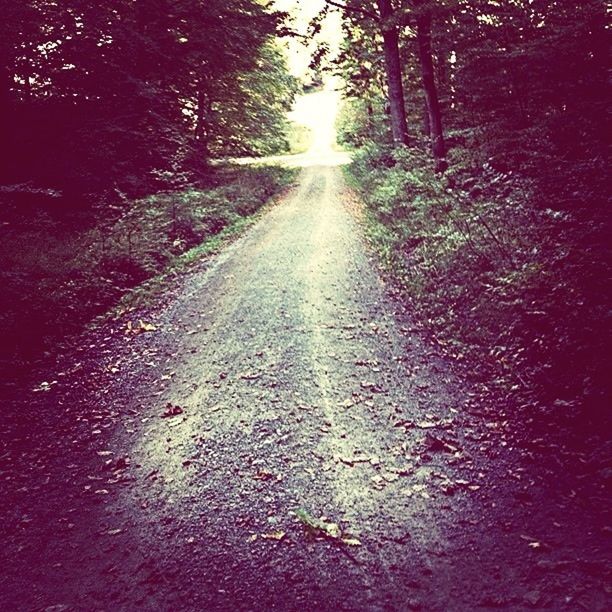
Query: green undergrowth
299	137
144	294
59	272
515	290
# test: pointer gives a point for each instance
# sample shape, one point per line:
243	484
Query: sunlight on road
318	112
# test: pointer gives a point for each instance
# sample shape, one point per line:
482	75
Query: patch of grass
144	294
516	289
58	274
299	137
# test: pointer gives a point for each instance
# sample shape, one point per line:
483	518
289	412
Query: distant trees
381	13
529	70
101	95
507	251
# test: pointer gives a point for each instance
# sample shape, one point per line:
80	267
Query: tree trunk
426	123
438	147
393	69
6	116
200	132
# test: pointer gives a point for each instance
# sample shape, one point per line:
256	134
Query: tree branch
353	9
290	32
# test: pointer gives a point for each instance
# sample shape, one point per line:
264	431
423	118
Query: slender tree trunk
438	147
202	110
370	110
426	123
393	69
5	120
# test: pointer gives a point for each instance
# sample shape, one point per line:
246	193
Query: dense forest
305	305
481	137
103	106
98	97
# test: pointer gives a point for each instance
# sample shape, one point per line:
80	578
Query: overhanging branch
353	9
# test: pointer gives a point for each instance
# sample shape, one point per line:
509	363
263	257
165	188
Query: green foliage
496	279
98	96
250	109
505	254
300	138
360	122
57	275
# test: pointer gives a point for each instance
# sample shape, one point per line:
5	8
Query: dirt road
281	440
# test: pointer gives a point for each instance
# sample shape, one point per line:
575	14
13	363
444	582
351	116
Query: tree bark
393	69
426	124
200	131
5	112
438	146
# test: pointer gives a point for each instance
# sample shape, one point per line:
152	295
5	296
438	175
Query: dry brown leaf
273	535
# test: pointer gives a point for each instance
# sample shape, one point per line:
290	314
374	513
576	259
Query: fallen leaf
426	424
370	386
146	327
319	527
44	386
350	541
122	463
263	475
438	444
274	535
131	329
351	461
250	375
114	531
533	543
171	411
378	481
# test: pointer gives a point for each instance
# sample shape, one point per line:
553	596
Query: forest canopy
112	118
112	95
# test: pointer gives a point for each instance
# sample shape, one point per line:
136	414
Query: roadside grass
515	291
144	294
299	137
60	272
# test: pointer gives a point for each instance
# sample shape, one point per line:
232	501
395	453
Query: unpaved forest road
299	388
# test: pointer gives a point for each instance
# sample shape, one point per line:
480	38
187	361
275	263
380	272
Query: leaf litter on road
171	411
322	528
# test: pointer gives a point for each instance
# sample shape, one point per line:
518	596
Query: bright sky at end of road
317	110
302	12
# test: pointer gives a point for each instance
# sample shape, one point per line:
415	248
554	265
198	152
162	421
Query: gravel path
281	440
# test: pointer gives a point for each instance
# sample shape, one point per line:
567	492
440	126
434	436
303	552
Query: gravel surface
277	435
